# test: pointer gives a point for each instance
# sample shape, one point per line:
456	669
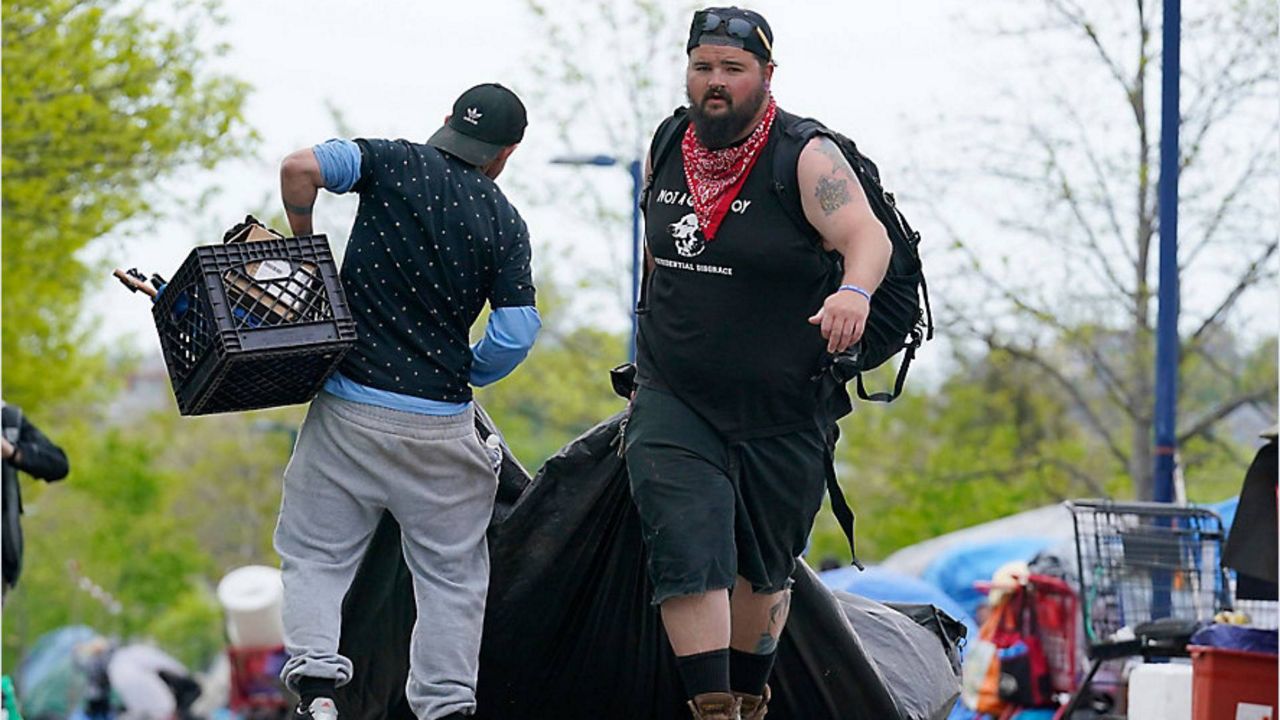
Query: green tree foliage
100	103
990	441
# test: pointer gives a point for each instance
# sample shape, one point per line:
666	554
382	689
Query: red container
256	690
1223	680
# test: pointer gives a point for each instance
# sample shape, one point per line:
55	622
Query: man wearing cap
724	447
433	240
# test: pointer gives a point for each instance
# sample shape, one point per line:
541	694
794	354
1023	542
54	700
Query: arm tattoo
832	153
832	194
297	209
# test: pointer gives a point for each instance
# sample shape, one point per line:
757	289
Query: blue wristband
855	288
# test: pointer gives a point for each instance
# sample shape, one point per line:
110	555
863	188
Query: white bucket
1160	692
251	597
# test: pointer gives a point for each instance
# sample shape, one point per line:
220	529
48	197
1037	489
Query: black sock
705	672
749	672
310	688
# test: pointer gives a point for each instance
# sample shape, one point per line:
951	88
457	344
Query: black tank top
724	325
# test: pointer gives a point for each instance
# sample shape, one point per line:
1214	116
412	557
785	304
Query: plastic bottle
493	446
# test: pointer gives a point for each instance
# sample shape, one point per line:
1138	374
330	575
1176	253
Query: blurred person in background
25	449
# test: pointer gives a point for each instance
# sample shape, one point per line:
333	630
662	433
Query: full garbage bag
570	631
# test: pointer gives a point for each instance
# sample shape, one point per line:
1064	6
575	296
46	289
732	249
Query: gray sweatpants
352	461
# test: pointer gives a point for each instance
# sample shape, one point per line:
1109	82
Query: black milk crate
250	325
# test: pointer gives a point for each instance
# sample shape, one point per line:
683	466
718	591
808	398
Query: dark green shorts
713	509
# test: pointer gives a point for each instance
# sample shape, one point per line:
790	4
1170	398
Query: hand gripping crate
252	325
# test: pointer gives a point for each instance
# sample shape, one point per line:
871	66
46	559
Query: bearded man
724	445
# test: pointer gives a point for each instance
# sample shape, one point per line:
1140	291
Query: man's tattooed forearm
832	194
298	209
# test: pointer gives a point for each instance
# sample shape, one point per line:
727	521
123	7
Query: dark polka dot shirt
433	240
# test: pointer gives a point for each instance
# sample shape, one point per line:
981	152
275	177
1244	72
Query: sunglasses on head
740	28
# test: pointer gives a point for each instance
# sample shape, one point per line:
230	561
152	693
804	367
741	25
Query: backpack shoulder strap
665	139
795	133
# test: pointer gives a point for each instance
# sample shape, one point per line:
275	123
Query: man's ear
447	117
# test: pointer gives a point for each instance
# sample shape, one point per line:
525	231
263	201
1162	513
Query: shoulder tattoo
832	193
832	190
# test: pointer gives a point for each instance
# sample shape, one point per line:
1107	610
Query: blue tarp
957	568
888	586
48	681
1226	510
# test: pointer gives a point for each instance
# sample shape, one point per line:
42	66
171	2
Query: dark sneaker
319	709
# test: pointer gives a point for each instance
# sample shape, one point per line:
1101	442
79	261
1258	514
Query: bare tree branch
1069	386
1211	418
1083	134
1078	212
1076	15
1246	280
1259	161
1019	469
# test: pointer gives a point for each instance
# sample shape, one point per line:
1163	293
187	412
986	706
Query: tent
1052	523
570	631
957	568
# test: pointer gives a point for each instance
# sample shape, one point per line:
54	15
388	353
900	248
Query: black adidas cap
732	27
485	119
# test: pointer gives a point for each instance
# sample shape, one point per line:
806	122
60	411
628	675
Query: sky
891	75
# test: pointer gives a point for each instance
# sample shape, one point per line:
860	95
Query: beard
720	131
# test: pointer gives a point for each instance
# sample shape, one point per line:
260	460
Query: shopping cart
1148	573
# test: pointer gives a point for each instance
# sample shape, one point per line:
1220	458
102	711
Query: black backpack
901	319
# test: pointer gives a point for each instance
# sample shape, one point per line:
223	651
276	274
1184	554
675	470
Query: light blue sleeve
507	340
339	164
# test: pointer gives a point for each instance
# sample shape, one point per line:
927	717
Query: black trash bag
570	632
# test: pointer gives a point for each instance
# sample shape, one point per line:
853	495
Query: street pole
1166	386
637	183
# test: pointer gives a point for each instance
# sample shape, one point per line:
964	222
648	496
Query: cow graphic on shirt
687	240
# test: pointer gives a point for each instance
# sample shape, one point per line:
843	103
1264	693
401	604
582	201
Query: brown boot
754	707
714	706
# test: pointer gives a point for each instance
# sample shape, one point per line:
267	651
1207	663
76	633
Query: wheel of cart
1148	573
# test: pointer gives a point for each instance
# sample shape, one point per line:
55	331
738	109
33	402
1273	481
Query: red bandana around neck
716	176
